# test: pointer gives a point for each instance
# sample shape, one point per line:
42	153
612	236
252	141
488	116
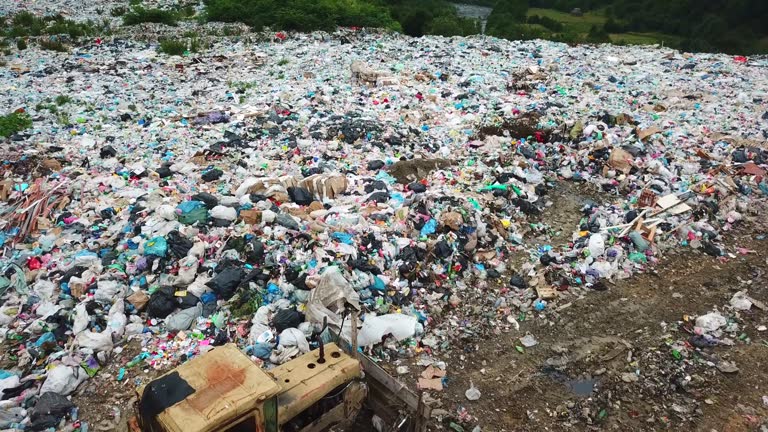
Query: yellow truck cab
223	390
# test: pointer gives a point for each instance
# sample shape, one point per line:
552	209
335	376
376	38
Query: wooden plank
398	389
330	418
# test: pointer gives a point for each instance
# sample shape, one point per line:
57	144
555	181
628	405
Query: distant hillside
734	26
731	26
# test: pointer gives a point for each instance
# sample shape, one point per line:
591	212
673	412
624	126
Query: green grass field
634	38
581	25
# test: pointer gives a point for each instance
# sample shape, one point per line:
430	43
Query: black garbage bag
72	272
375	165
417	187
299	195
257	197
287	318
363	264
254	251
107	152
188	301
178	245
443	249
226	282
517	281
527	207
160	394
218	222
212	175
164	172
292	273
375	185
379	197
48	411
209	200
162	302
493	274
711	249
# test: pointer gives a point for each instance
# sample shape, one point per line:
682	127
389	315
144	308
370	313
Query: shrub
53	45
187	11
597	35
63	100
178	46
21	44
118	11
14	122
140	15
25	19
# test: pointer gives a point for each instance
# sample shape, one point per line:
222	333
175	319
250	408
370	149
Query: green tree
598	35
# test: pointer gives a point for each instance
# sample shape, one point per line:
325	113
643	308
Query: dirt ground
605	360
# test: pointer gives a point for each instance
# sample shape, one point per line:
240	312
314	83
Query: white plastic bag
9	382
710	322
375	327
199	287
223	212
134	329
116	319
741	301
187	271
260	324
95	341
81	318
63	380
44	289
108	290
294	337
596	245
166	212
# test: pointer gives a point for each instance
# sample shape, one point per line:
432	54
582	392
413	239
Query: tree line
732	26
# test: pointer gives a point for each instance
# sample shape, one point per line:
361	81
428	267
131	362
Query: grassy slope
582	24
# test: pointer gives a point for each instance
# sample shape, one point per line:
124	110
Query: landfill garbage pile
253	193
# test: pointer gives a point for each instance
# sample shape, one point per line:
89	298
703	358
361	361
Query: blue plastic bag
429	228
156	246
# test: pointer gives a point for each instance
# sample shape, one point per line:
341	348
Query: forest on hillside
731	26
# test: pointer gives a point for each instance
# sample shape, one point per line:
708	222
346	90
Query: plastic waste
711	322
222	212
48	411
95	341
162	302
294	337
81	319
183	319
376	327
156	246
63	380
286	318
226	282
472	392
741	301
10	415
116	319
108	290
191	212
596	245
